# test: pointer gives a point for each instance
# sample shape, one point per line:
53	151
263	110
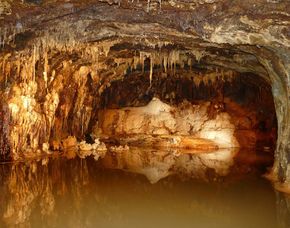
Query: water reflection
283	209
62	192
158	164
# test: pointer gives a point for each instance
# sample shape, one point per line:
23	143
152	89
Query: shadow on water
143	188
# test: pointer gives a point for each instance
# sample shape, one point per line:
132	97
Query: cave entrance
205	109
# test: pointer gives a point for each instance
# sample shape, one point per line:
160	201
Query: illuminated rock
160	119
58	58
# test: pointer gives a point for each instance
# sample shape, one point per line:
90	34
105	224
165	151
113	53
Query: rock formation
58	57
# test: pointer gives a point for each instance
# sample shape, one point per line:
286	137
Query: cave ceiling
224	33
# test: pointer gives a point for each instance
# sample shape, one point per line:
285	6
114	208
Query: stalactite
33	62
198	54
41	116
45	67
148	6
151	69
141	59
165	63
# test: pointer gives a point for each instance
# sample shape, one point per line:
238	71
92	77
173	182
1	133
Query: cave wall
47	47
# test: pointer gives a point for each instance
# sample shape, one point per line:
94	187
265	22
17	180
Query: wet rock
45	148
160	119
119	148
69	142
55	145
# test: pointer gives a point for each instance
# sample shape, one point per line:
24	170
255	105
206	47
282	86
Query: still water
142	188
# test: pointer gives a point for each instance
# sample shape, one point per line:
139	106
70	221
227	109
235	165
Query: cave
222	107
108	102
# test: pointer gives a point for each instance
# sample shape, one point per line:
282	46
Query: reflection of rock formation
37	189
26	184
78	192
206	166
32	190
156	165
283	209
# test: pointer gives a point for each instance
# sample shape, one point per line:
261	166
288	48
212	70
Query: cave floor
140	187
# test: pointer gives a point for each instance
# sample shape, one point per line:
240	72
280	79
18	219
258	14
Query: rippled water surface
142	188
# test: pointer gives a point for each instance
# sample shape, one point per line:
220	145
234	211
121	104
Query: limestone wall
158	118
